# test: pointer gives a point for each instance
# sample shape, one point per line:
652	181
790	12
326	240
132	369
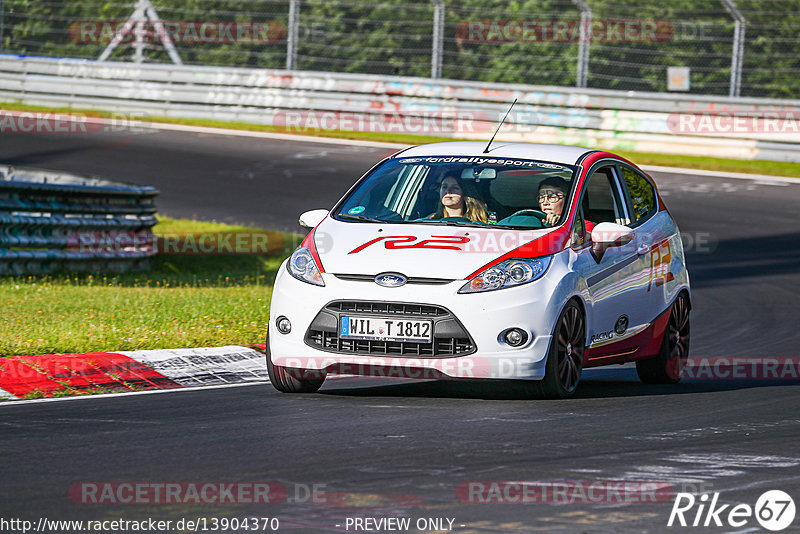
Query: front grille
388	308
449	336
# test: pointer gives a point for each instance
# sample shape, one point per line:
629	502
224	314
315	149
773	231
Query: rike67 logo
774	510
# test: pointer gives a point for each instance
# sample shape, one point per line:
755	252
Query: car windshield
456	190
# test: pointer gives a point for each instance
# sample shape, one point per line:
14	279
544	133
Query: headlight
509	273
303	267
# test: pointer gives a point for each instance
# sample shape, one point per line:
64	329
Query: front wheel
565	358
287	380
668	366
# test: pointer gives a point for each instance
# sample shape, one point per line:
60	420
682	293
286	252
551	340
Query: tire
667	367
565	357
286	380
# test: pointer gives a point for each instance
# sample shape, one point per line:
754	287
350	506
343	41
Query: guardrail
55	221
683	124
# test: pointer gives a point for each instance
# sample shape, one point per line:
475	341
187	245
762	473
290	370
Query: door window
642	195
602	201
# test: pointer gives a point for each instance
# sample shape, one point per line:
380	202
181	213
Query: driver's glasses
551	197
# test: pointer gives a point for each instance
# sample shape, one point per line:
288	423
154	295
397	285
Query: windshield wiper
472	225
362	218
451	223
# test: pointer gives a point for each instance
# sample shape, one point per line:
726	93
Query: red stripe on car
308	243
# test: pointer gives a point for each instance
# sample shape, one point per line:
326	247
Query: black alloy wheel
668	365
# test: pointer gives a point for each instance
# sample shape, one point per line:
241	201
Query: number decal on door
660	259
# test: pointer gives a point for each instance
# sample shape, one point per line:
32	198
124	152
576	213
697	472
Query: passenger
460	199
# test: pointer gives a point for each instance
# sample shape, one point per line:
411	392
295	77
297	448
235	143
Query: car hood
415	250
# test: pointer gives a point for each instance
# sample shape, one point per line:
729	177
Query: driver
552	197
459	199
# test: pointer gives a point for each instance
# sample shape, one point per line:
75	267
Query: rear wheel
565	359
288	380
667	367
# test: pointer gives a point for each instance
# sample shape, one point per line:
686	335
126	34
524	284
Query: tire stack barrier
52	222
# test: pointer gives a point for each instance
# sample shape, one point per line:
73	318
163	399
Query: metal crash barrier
305	101
52	221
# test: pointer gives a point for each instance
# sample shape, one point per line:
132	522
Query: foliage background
393	37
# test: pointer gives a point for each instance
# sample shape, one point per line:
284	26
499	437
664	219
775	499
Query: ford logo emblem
390	280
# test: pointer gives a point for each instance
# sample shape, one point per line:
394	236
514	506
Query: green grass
184	301
775	168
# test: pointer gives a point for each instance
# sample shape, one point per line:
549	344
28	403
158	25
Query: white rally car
450	260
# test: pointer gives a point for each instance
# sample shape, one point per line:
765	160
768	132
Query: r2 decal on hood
444	242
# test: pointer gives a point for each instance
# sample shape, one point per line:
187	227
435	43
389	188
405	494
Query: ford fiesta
521	261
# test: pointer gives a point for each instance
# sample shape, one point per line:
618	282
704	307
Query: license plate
378	329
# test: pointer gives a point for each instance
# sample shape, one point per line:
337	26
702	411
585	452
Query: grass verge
184	301
774	168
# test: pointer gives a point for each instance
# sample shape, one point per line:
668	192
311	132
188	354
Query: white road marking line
771	182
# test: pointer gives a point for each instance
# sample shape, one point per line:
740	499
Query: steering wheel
536	213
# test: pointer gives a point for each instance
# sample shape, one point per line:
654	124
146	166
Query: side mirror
606	235
311	219
611	234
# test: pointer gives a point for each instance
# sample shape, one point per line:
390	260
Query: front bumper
483	316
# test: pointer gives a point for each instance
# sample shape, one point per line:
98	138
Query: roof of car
537	151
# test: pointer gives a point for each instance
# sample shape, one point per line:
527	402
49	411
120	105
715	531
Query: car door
652	237
616	278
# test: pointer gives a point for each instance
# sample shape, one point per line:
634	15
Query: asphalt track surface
391	448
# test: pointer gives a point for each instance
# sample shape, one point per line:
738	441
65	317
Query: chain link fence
715	47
